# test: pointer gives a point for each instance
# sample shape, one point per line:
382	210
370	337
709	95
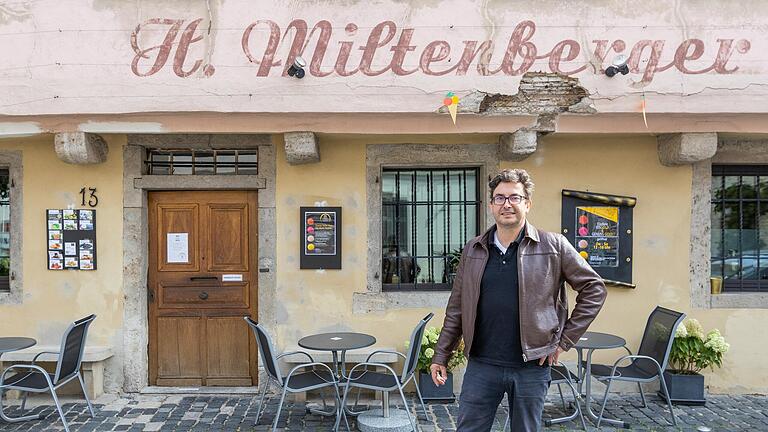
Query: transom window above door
202	162
427	217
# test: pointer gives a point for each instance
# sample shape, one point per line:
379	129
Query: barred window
740	227
5	231
427	217
202	162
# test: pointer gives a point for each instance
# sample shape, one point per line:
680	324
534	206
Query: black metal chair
389	380
317	375
650	361
31	378
560	374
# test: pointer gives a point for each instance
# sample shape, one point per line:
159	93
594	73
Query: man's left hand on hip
552	358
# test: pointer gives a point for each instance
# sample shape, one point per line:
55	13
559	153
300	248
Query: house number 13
93	200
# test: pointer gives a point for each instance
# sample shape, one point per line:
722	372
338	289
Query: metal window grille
202	162
739	220
427	215
5	230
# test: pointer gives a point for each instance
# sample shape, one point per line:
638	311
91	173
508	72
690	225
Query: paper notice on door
177	248
231	278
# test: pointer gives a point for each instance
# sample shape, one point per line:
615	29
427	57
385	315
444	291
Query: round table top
597	340
336	341
8	344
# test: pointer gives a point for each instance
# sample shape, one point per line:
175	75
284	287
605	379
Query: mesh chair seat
377	380
28	381
632	372
559	373
309	380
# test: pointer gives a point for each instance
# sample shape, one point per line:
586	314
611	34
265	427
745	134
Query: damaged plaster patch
540	93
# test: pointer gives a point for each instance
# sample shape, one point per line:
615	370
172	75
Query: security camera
297	68
619	65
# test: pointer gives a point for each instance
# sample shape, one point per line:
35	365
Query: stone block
301	148
518	145
80	148
686	148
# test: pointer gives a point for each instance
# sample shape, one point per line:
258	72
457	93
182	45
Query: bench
94	358
351	358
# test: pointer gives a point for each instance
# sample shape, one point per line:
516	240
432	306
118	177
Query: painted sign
597	235
388	49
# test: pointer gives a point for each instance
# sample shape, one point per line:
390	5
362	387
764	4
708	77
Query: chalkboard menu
600	228
71	239
320	237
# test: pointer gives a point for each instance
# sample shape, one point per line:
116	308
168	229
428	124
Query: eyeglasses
499	200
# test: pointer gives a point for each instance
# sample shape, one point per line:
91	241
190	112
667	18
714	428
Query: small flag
451	101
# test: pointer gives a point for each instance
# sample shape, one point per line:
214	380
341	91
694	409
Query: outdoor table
592	341
337	342
8	344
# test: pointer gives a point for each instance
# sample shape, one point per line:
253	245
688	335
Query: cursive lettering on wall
389	50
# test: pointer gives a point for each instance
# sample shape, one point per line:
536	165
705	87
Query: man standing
510	305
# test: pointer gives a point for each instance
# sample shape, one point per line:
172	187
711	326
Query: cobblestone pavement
136	413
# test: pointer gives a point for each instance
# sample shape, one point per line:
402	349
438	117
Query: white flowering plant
693	351
428	344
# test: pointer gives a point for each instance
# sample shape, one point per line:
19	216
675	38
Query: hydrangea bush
693	351
428	343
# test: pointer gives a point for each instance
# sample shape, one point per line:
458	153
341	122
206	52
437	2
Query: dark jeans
484	386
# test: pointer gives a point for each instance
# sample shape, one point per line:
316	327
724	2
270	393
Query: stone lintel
80	148
518	145
686	148
301	148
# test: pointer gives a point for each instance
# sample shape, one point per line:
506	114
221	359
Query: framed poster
71	239
320	237
599	226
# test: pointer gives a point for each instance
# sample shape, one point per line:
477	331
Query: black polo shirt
497	326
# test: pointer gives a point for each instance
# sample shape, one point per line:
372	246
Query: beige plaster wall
311	301
53	299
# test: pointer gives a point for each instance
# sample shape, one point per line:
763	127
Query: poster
71	238
597	235
320	233
320	237
177	248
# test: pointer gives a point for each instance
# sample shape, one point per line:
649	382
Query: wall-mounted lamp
297	68
619	65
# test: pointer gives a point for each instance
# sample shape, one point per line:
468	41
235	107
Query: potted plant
692	351
451	264
428	389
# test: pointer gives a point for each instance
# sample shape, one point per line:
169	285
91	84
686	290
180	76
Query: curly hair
513	176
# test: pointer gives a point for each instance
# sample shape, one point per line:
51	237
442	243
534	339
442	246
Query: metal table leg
588	396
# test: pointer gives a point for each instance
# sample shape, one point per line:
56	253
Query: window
427	217
5	231
202	162
740	227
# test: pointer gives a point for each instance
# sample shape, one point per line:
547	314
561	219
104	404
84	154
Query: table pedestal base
374	421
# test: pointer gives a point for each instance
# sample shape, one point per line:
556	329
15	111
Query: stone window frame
730	151
379	156
13	161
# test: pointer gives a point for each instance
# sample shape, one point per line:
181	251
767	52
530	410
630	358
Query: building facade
185	128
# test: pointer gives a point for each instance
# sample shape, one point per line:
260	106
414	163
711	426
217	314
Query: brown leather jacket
545	262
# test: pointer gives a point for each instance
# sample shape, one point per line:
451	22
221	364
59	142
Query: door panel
227	342
228	249
178	219
197	332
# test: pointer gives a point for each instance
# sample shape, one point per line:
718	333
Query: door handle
194	278
203	295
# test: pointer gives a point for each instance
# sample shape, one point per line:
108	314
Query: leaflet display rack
71	239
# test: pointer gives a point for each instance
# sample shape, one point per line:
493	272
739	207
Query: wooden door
202	280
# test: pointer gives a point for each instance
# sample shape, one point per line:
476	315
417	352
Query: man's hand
552	358
439	374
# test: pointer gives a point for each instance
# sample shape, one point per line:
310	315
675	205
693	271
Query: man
509	304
